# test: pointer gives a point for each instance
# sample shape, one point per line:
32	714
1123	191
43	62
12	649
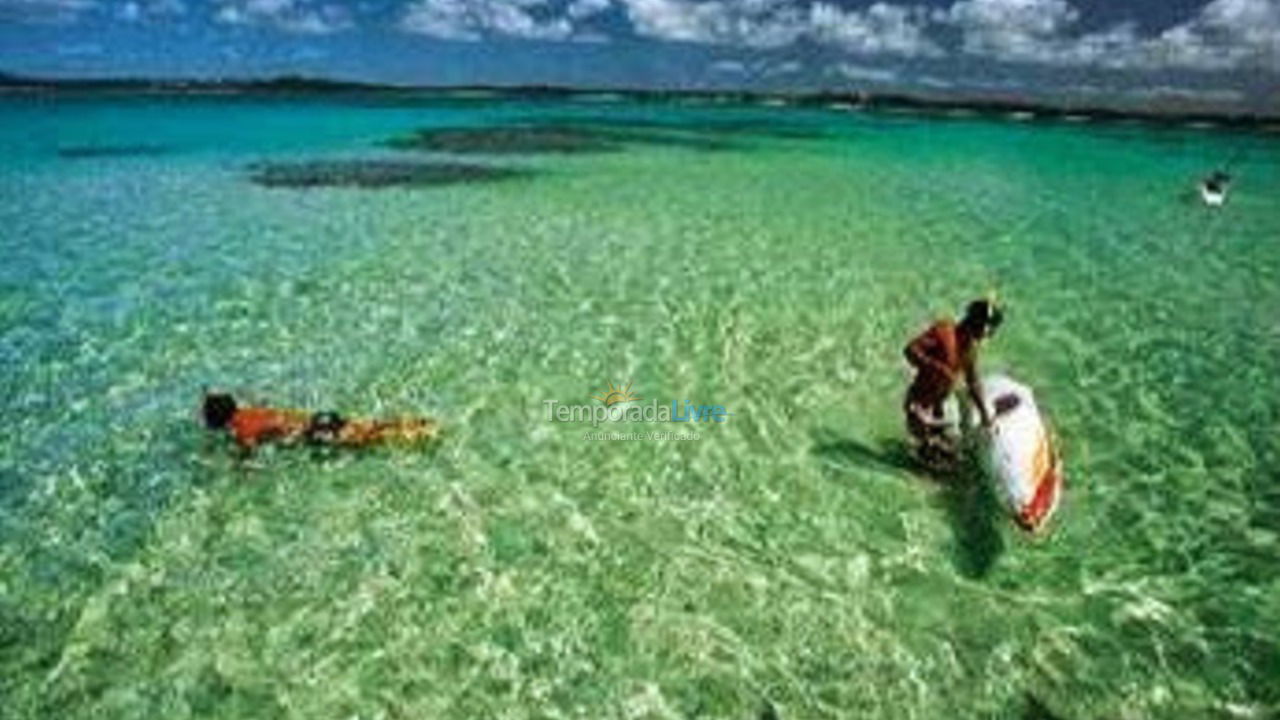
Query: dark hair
218	409
983	317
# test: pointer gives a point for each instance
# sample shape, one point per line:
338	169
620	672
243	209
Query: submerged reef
374	173
505	140
551	137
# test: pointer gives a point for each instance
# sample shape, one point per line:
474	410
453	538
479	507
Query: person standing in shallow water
941	355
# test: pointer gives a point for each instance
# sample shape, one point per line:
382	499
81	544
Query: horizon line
980	101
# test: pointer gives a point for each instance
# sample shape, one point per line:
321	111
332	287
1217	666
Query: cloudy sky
1224	52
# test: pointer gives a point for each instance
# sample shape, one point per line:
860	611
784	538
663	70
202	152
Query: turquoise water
788	560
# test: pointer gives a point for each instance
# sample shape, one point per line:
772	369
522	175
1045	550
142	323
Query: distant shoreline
829	99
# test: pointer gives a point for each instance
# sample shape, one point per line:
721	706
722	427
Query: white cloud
862	73
1227	34
136	10
881	29
786	67
471	20
296	16
65	11
586	8
761	68
1017	30
445	19
39	11
748	23
933	81
728	67
1224	35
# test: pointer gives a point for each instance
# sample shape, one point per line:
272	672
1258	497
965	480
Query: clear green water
786	559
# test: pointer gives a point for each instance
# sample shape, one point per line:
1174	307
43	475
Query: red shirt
252	426
941	347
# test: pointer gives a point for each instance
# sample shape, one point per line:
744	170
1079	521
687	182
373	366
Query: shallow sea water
787	563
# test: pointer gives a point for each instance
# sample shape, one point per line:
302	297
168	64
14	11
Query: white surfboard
1026	465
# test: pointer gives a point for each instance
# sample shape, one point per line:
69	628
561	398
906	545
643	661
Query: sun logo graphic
616	395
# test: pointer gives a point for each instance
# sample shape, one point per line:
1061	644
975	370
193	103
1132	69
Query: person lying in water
941	355
254	426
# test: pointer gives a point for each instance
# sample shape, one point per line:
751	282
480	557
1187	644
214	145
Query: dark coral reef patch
540	137
506	140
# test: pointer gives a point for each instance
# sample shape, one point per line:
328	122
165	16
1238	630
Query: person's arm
975	392
918	354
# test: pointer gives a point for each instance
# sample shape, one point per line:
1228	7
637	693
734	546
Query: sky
1221	53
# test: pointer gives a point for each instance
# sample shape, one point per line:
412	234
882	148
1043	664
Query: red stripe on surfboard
1046	495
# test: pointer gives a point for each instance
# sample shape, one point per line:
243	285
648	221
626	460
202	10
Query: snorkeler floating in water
940	356
254	426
